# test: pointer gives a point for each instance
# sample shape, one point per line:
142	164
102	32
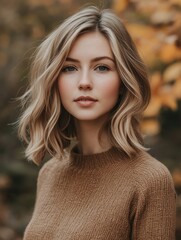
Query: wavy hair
45	125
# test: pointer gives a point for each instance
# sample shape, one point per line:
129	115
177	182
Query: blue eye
102	68
68	69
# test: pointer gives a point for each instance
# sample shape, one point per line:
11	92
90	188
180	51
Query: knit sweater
104	196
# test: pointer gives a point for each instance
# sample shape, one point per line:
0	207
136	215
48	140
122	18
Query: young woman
88	90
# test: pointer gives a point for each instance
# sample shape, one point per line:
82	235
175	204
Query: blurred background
156	29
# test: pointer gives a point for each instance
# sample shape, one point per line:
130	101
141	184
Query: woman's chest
80	211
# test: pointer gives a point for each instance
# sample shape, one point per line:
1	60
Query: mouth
85	99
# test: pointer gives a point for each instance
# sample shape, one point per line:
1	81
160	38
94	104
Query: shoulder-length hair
45	125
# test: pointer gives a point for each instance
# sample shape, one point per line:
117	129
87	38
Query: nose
85	82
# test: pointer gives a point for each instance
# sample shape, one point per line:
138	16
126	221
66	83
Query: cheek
63	87
112	90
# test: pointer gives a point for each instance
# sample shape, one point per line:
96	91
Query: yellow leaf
140	30
149	7
150	127
146	41
169	52
155	81
153	107
172	72
161	17
168	100
175	2
176	174
120	5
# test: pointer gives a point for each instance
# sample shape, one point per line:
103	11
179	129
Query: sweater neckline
97	160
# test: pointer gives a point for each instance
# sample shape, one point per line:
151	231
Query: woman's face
89	83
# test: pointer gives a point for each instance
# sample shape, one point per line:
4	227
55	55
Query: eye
102	68
69	69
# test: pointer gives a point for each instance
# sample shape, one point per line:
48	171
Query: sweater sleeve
155	210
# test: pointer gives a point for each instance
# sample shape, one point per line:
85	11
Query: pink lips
85	98
85	101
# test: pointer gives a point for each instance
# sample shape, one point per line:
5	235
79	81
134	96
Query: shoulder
147	164
52	166
46	167
49	172
149	173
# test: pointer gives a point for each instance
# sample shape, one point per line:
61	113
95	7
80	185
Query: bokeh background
156	29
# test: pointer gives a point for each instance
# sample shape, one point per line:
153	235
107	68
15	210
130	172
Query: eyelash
67	68
106	68
97	68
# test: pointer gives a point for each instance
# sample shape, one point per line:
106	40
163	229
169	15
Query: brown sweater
105	197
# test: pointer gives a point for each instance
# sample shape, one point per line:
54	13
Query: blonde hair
45	125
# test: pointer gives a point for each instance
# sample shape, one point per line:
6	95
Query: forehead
91	44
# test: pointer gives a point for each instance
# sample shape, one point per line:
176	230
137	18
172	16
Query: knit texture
103	196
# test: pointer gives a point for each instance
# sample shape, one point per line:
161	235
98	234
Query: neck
88	138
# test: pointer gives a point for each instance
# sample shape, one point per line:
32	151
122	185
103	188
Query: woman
88	90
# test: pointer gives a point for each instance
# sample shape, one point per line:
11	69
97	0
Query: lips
85	98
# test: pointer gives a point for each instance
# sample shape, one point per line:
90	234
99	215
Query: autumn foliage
157	34
155	26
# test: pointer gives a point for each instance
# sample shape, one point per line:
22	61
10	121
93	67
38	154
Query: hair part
45	125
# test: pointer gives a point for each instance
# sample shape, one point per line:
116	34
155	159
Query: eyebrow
93	60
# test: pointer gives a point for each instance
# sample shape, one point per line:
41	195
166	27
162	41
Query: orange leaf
175	2
168	100
172	72
155	81
146	41
176	174
119	6
153	107
140	30
150	127
162	17
150	7
169	52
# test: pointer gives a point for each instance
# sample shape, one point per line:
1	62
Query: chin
86	118
90	117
